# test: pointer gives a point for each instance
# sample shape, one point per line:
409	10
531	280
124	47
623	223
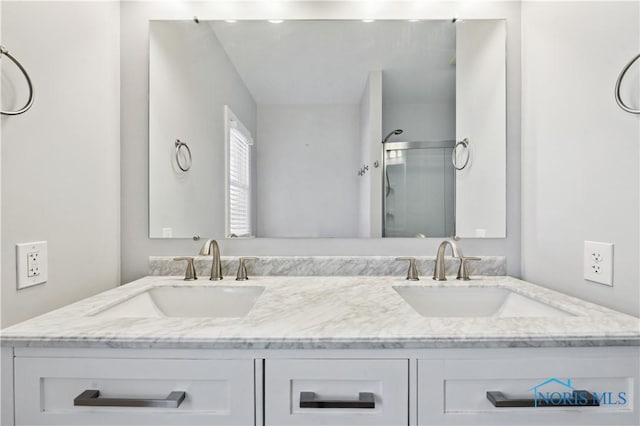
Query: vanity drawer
454	392
216	392
337	392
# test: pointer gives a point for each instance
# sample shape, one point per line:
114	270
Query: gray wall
580	151
136	245
60	160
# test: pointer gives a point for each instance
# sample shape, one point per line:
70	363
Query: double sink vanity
350	130
330	350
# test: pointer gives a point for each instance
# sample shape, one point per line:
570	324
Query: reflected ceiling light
276	21
368	20
231	21
413	20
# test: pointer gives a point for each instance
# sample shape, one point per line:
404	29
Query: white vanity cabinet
391	387
216	391
336	392
453	390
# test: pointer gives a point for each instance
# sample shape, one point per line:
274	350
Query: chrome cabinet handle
90	398
365	400
581	398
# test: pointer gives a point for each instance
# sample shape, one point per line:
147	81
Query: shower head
395	132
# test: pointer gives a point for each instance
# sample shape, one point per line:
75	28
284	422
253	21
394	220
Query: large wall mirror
327	129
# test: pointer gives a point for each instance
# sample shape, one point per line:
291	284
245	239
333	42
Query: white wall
364	213
136	245
3	385
317	193
370	114
480	109
374	153
420	122
580	151
6	383
191	80
60	160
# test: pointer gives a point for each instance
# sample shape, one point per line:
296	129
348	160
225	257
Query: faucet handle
412	273
205	249
190	273
463	271
241	275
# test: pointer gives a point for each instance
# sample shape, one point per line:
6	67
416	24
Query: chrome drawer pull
365	400
91	398
580	398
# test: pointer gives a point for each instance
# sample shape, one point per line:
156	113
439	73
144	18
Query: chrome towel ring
179	146
465	145
621	104
25	108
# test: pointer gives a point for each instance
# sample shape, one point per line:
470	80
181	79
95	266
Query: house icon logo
539	394
555	392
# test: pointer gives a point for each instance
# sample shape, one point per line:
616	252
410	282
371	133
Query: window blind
239	183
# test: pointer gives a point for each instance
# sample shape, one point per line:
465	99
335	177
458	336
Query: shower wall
420	198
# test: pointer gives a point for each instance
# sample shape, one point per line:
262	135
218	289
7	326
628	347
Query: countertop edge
321	343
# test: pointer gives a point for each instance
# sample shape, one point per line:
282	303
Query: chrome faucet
210	248
440	270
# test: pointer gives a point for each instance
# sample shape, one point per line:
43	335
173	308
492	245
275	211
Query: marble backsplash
325	266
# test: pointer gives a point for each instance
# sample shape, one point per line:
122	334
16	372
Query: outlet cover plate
598	262
31	264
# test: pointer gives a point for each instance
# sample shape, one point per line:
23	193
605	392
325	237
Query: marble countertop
327	312
304	266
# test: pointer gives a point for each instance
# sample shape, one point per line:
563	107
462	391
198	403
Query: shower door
419	189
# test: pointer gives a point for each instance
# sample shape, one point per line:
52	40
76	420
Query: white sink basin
474	302
186	302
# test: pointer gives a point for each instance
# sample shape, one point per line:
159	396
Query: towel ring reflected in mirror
25	108
464	143
621	104
179	147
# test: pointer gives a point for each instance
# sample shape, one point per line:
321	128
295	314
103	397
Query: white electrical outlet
598	262
31	264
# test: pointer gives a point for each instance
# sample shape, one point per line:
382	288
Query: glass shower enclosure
419	189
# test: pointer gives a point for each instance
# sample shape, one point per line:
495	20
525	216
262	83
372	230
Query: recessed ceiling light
231	21
368	20
276	21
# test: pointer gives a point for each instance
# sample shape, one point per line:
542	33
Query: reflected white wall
191	79
307	158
